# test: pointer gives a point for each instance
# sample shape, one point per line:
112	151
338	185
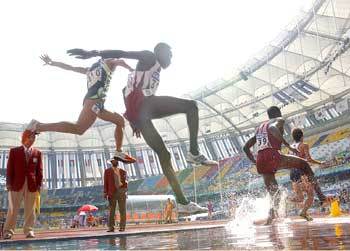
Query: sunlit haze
208	39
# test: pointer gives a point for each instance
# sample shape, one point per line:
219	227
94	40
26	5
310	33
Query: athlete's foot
271	218
269	221
200	159
124	157
306	216
191	208
32	126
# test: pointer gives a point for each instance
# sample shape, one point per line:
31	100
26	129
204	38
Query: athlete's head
163	54
274	112
297	134
28	138
114	161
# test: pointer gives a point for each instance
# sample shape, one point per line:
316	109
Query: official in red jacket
115	189
23	180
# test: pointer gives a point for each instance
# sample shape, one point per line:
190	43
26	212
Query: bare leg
118	120
272	187
307	187
290	161
154	140
155	107
297	189
86	118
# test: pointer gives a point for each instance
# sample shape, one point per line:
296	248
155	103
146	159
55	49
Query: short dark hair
274	112
297	134
160	46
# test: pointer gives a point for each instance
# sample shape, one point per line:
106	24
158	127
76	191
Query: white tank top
148	79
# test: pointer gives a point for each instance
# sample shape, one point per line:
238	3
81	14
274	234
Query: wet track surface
322	233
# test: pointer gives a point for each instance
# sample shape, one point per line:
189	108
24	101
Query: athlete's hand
47	60
82	54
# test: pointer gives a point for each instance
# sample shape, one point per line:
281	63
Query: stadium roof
305	67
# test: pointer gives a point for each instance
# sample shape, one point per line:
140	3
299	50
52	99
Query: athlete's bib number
155	79
94	76
262	141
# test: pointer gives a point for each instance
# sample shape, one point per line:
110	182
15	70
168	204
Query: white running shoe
200	159
32	126
191	208
124	157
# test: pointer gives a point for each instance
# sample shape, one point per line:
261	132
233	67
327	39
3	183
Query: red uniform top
109	182
18	168
269	157
265	139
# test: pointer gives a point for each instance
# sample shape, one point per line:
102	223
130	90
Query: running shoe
306	216
191	208
124	157
32	126
200	159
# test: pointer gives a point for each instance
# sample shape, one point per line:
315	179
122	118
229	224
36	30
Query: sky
209	39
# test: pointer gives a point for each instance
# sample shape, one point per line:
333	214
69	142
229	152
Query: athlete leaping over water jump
269	137
98	79
142	106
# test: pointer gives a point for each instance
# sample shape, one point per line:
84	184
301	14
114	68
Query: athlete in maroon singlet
269	139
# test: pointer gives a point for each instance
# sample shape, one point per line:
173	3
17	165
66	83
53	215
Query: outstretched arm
146	58
251	142
123	64
84	54
306	150
113	63
49	61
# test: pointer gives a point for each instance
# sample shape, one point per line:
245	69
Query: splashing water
250	211
253	209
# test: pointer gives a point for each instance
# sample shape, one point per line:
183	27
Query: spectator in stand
169	211
115	189
23	181
210	209
344	198
104	220
76	221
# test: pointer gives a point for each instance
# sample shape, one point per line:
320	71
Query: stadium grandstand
305	71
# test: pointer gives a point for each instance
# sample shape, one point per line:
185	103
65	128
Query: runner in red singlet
269	138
